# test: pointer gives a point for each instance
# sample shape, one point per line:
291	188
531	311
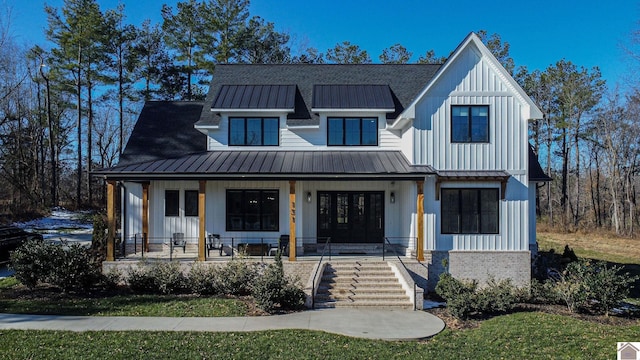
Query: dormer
352	112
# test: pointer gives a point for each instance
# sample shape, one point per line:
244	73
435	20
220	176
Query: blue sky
588	33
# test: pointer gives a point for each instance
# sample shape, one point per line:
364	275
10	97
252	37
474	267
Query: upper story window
469	123
254	131
352	131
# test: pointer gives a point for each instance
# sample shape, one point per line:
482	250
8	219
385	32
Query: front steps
360	283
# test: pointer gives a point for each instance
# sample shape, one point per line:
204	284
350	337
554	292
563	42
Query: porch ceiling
284	165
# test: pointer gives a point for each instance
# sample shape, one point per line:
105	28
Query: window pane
271	131
269	210
369	131
489	211
234	210
469	211
254	131
450	211
236	131
336	133
252	210
191	203
352	131
342	209
171	202
480	124
460	124
324	206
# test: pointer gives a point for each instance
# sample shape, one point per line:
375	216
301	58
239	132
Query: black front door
351	216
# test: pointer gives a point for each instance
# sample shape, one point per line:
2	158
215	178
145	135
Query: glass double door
351	216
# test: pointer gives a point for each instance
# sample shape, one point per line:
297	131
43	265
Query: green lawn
129	305
522	335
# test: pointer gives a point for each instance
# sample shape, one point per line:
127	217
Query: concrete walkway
382	324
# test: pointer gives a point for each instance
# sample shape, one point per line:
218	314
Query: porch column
201	208
292	220
111	220
420	242
145	216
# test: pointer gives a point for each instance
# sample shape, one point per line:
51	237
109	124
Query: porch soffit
328	165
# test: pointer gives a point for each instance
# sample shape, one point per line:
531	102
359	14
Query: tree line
67	106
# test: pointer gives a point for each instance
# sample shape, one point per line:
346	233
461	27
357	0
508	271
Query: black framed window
252	210
470	123
352	131
254	131
191	203
171	202
470	211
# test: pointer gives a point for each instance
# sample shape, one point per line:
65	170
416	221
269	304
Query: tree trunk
79	125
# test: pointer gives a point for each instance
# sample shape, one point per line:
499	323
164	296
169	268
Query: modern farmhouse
433	160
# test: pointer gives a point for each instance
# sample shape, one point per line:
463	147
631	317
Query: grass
593	246
522	335
8	282
128	305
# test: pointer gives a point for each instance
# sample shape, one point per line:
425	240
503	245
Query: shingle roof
352	97
255	97
274	164
535	169
164	130
404	80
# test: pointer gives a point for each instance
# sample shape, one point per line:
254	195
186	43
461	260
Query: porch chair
177	240
214	243
282	246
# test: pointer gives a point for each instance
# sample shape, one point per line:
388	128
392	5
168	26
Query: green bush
164	277
593	286
459	295
32	262
465	299
543	292
237	276
272	289
70	268
205	280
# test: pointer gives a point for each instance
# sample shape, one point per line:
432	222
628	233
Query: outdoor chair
214	243
282	246
177	240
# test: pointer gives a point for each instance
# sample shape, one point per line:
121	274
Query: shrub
164	277
585	285
237	276
205	280
32	262
465	299
70	268
459	295
273	289
543	292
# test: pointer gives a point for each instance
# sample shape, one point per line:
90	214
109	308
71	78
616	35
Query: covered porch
248	203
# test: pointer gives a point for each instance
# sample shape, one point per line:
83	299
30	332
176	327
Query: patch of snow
430	304
62	226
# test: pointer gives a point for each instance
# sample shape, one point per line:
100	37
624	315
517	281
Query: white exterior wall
305	138
474	80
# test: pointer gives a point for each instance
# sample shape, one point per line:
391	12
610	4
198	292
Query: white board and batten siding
305	138
474	80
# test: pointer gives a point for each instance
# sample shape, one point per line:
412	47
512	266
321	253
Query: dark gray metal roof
332	165
165	129
535	169
473	174
405	82
352	97
255	97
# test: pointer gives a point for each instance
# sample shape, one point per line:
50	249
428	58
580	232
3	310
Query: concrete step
400	298
373	304
347	290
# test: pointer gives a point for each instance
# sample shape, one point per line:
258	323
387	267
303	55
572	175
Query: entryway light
308	196
392	197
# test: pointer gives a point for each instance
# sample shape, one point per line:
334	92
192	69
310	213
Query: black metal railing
327	244
387	241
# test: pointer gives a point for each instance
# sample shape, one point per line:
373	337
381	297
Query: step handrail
386	240
315	275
